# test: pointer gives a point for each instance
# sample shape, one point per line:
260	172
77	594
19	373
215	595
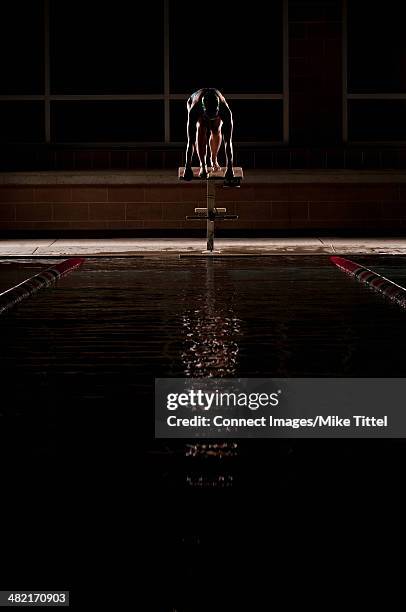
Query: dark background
59	57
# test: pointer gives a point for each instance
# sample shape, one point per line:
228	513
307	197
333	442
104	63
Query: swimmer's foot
229	175
230	180
215	167
188	173
203	172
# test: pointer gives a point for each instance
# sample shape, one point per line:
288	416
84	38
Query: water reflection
211	481
219	449
212	334
211	329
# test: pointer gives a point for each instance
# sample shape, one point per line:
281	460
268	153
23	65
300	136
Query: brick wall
259	206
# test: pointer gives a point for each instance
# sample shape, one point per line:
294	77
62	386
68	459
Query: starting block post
211	213
211	208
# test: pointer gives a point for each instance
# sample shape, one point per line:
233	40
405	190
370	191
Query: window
220	51
377	120
110	49
122	72
22	47
108	121
375	78
258	120
21	121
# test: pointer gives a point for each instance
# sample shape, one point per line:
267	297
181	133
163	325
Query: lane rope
16	294
372	279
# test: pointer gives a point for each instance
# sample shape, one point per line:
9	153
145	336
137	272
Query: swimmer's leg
201	146
215	144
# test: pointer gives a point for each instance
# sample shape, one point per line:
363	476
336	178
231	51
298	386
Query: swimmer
208	111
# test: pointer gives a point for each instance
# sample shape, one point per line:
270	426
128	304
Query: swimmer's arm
227	129
191	139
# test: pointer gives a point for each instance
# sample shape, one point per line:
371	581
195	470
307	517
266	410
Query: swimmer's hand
188	173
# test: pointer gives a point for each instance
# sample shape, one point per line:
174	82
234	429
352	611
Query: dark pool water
78	363
103	333
270	316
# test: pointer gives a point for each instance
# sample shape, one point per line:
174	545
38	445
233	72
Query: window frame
166	96
347	95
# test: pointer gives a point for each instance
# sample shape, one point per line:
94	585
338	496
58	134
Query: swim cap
211	103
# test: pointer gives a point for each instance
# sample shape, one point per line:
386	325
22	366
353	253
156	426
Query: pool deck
42	247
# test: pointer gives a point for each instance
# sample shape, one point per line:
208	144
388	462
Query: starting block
211	213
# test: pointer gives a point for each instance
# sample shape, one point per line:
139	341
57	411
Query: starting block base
211	213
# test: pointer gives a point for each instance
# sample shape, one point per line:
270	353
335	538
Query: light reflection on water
212	334
211	347
211	329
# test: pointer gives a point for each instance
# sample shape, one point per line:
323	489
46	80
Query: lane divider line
372	279
16	294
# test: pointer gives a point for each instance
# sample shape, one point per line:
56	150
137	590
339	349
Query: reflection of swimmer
208	111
